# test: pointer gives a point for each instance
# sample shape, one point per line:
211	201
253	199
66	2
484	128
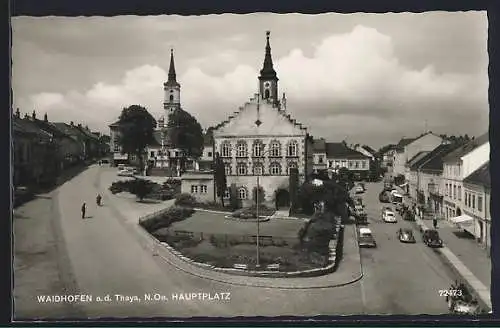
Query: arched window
266	94
275	169
258	169
292	148
227	167
241	149
226	149
258	147
275	149
242	193
292	165
241	169
171	97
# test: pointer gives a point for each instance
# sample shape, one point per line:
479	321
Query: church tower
172	90
268	80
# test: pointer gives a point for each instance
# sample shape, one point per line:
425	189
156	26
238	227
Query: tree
261	194
220	177
333	194
185	134
136	126
233	197
141	188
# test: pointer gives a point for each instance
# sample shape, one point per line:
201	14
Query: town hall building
262	140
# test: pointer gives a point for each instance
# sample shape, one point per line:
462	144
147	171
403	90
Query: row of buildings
259	139
42	150
450	179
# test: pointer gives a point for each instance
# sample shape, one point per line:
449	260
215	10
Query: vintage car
431	238
406	235
388	216
383	197
365	238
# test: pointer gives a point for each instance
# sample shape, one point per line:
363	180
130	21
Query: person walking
84	208
98	199
435	222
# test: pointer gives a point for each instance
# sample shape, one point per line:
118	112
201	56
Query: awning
462	219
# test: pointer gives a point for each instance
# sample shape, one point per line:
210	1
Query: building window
176	154
480	203
203	189
257	169
194	189
356	164
275	149
257	149
275	169
226	149
241	169
459	195
171	98
454	192
227	167
363	164
291	166
241	149
292	148
152	154
116	145
351	164
474	201
242	193
467	200
330	163
227	194
209	154
320	160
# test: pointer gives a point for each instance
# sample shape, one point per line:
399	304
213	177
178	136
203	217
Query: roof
319	145
369	149
481	176
466	148
115	124
26	126
70	129
417	158
404	142
340	150
364	230
433	161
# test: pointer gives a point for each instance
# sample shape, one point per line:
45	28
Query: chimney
26	117
71	123
33	115
18	113
80	125
45	118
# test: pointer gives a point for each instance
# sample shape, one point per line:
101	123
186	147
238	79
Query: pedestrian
435	223
98	199
84	208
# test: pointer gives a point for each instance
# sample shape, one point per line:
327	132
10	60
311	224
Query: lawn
213	223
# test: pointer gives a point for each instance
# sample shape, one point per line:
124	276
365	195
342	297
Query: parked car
406	235
365	238
387	186
383	197
359	190
389	216
431	238
125	173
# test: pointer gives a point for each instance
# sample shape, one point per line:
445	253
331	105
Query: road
400	278
105	256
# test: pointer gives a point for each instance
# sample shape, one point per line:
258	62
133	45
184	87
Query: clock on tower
268	79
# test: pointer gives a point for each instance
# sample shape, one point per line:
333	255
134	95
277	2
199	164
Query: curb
211	269
485	302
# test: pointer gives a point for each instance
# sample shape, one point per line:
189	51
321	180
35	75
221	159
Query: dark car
431	238
365	238
383	197
406	236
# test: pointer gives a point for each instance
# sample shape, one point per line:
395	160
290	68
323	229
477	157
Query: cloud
352	84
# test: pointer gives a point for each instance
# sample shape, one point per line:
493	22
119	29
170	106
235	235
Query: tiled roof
340	150
70	130
481	176
417	158
433	161
319	145
26	126
467	148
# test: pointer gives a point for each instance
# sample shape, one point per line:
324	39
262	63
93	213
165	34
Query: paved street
400	278
108	253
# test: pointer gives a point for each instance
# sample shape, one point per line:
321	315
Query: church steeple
172	76
268	79
172	89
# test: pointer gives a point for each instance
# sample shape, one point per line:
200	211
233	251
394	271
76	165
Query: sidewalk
466	257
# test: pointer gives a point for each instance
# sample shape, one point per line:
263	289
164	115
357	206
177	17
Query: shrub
185	200
141	188
121	186
173	214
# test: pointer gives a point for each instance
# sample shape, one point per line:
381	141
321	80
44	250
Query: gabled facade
262	140
408	148
319	155
477	197
457	165
339	155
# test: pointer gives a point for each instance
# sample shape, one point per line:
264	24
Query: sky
364	78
